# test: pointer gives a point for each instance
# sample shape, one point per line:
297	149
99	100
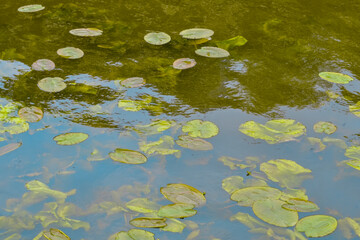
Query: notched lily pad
317	225
196	33
336	77
212	52
182	193
324	127
52	84
128	156
139	234
145	222
43	65
71	138
133	82
247	196
31	8
300	205
157	38
184	63
194	143
86	32
199	128
31	114
55	234
177	210
70	53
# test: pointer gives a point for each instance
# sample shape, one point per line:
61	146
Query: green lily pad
196	33
270	211
199	128
145	222
142	205
353	152
324	127
194	143
157	38
317	225
50	84
336	77
128	156
122	235
354	163
31	8
133	82
70	138
247	196
355	109
274	131
233	183
182	193
43	65
70	53
154	127
212	52
232	42
139	234
300	205
184	63
164	146
177	210
86	32
335	141
55	234
174	225
31	114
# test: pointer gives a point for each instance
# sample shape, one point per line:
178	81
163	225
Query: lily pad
247	196
142	205
31	8
174	225
182	193
164	146
212	52
70	53
194	143
52	84
184	63
55	234
196	33
154	127
355	109
128	156
354	163
199	128
139	234
232	42
324	127
274	131
31	114
317	225
43	65
300	205
86	32
133	82
270	211
353	152
336	77
71	138
177	210
157	38
122	235
145	222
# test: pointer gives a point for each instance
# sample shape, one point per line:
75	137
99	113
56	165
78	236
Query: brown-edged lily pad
31	114
184	63
43	65
182	193
128	156
55	234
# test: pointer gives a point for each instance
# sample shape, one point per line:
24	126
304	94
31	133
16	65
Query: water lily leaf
349	225
174	225
196	33
234	163
40	188
164	146
52	84
31	8
43	65
335	141
133	82
182	193
355	109
335	77
289	193
70	53
145	222
31	114
199	128
70	138
287	173
247	196
120	236
184	63
139	234
194	143
137	105
324	127
300	205
157	38
177	210
270	211
317	225
9	148
155	127
353	152
55	234
232	42
274	131
212	52
128	156
354	163
233	183
247	220
142	205
86	32
317	143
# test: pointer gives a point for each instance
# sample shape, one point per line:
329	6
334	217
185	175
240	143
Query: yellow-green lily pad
300	205
31	8
52	84
71	138
355	109
70	53
55	234
157	38
184	63
335	77
139	234
247	196
177	210
122	235
86	32
128	156
324	127
43	65
182	193
31	114
133	82
164	146
196	33
194	143
212	52
142	205
199	128
145	222
353	152
232	42
354	163
317	225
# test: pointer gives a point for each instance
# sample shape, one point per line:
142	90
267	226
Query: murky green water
273	76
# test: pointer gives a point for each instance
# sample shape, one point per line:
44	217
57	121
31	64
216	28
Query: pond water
275	75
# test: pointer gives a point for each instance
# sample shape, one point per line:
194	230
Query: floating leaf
142	205
317	225
355	109
335	141
174	225
234	163
199	128
9	148
70	53
155	127
157	38
177	210
232	42
194	143
43	65
55	234
324	127
274	131
270	211
182	193
162	147
212	52
317	143
289	193
120	236
139	234
31	8
233	183
40	188
184	63
31	114
300	205
50	84
247	196
354	163
336	77
137	105
145	222
70	138
133	82
353	152
86	32
196	33
349	225
128	156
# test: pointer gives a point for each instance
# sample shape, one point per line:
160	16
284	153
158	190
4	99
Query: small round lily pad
157	38
184	63
212	52
43	65
194	143
55	234
86	32
196	33
317	225
145	222
133	82
31	114
31	8
139	234
324	127
128	156
182	193
336	77
199	128
177	210
70	53
71	138
50	84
